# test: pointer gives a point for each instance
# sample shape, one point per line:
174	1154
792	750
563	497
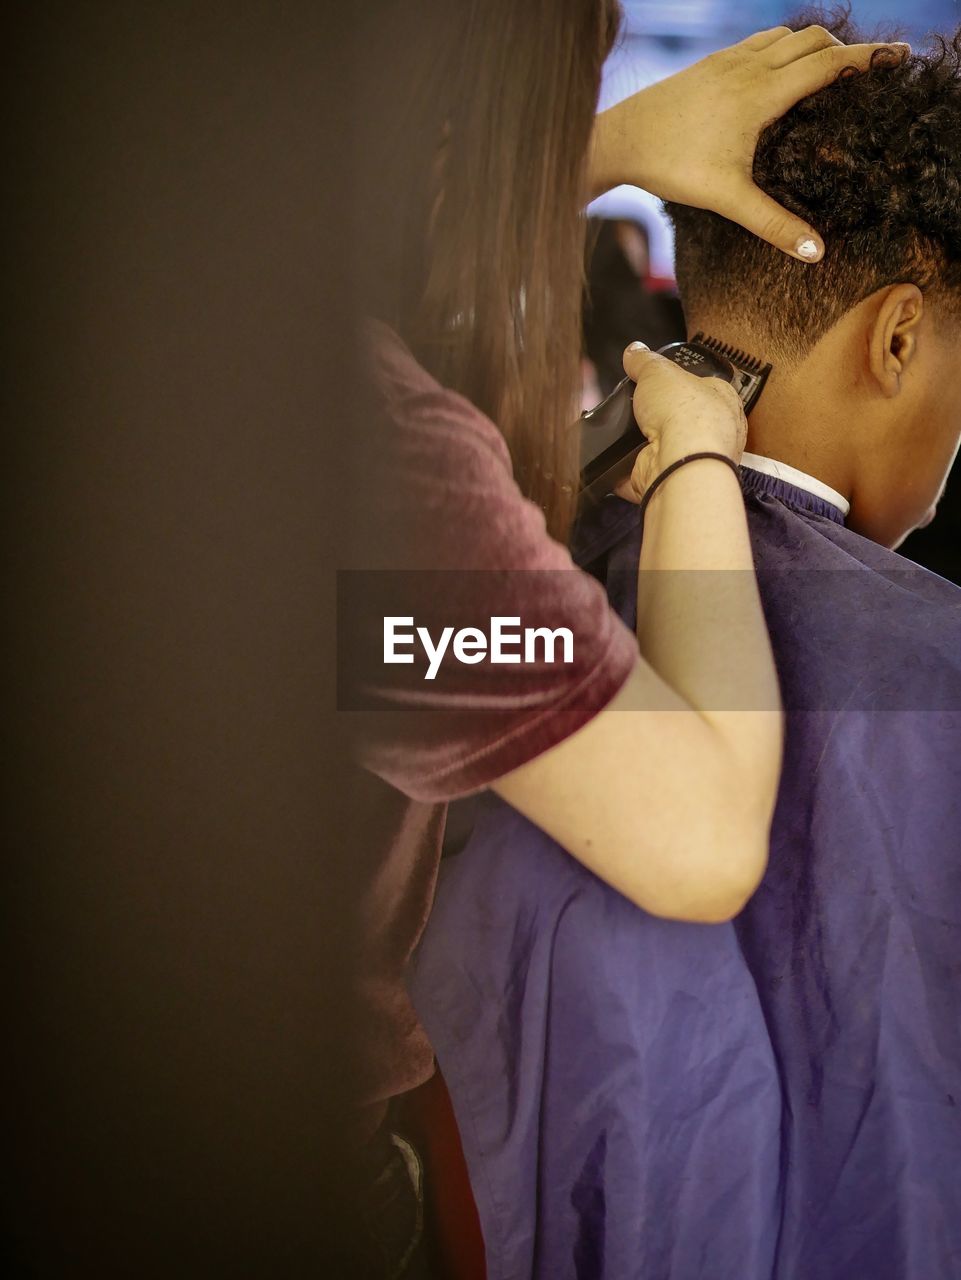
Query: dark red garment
475	547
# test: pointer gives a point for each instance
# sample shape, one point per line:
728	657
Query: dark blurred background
631	290
177	894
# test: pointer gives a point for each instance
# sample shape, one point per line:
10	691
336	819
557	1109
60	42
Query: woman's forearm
699	619
608	146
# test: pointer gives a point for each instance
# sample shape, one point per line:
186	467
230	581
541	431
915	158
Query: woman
479	148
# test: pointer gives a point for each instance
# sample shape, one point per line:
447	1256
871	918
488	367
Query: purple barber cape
778	1098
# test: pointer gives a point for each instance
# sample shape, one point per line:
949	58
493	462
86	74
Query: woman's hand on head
691	138
679	414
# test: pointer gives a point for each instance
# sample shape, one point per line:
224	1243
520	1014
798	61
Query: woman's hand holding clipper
679	414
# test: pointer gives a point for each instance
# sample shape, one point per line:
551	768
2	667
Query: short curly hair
873	161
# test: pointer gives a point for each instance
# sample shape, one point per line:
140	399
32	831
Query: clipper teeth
750	364
752	373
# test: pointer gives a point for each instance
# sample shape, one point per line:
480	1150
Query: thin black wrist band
691	457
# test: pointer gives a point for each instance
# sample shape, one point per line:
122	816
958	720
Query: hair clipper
611	438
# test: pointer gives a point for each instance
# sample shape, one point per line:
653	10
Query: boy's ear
893	338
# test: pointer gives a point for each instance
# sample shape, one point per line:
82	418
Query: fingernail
808	249
638	346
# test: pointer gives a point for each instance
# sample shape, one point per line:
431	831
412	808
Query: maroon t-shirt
480	550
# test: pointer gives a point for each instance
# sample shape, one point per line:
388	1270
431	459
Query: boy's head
871	336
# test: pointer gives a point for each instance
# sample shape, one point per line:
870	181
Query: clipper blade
751	373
